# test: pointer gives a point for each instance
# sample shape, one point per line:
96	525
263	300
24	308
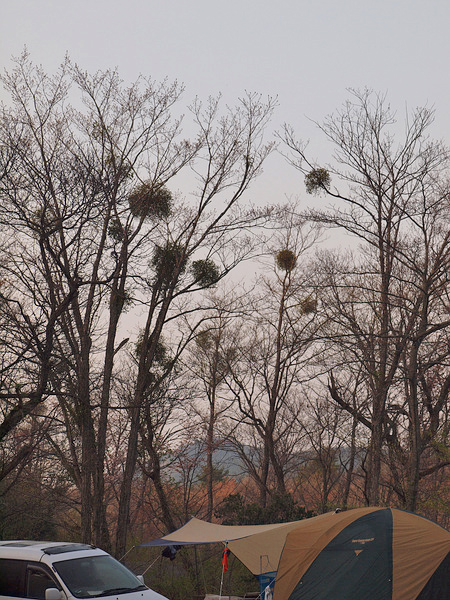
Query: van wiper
122	590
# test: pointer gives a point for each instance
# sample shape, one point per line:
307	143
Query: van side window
37	582
12	574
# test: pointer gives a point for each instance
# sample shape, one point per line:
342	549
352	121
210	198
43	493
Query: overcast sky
306	52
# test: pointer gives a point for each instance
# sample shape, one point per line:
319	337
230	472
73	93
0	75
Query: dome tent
365	554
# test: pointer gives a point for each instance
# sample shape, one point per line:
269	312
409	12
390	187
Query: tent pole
221	579
221	585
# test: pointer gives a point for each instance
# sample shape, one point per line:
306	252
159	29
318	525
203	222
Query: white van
66	571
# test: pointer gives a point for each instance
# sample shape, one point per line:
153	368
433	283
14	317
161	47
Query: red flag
225	554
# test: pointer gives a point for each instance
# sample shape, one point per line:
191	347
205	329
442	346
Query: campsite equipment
368	553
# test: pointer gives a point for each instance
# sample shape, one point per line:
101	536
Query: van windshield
96	576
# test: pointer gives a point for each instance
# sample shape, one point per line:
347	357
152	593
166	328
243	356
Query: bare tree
85	204
277	344
232	151
394	199
208	363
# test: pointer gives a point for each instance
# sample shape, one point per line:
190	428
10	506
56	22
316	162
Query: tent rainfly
365	553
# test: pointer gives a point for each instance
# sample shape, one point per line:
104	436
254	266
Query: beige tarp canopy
258	547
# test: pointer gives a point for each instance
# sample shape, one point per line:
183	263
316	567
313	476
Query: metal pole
221	584
221	579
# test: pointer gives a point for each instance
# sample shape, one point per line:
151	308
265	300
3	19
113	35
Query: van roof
33	550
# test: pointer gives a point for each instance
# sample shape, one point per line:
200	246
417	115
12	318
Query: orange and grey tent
365	554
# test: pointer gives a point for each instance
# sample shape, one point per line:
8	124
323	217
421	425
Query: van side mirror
141	579
53	594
